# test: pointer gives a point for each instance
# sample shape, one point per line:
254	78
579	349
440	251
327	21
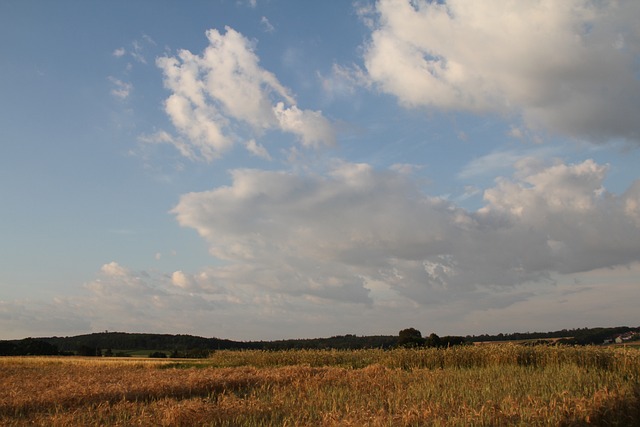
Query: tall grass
625	361
485	385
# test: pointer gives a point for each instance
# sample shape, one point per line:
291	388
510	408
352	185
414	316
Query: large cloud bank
336	236
570	67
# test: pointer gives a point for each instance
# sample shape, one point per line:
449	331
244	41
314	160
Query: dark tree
27	347
450	341
433	340
410	337
88	351
158	355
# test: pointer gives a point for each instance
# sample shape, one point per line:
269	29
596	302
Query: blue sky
279	169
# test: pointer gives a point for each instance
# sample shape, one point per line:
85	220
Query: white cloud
117	280
113	269
568	67
181	280
328	236
243	311
223	93
312	127
582	226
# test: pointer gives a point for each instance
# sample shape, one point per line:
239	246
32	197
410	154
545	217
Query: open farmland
479	385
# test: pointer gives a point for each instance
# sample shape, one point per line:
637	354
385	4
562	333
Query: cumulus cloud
365	249
333	236
585	227
120	297
243	311
182	280
312	127
223	93
113	269
569	67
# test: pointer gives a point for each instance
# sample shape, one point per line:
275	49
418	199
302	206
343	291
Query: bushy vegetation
456	386
27	347
579	336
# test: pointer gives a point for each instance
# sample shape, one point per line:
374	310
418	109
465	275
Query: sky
271	169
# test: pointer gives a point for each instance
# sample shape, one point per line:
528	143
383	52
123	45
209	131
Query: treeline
579	336
28	347
186	343
596	335
130	341
118	343
339	342
412	337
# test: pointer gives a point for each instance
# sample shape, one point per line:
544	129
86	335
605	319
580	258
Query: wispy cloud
257	150
120	90
505	161
136	53
179	301
268	27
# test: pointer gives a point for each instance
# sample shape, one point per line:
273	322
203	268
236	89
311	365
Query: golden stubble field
482	385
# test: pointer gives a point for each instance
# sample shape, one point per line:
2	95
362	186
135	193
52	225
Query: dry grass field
473	385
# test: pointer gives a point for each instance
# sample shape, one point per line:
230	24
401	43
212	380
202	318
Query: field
471	385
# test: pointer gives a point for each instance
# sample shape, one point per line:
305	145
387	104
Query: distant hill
580	336
189	345
195	346
138	341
